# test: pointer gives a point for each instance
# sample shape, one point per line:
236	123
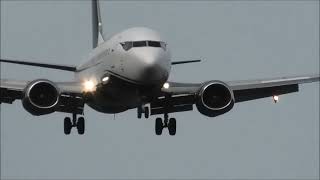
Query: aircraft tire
80	125
146	112
139	113
158	126
172	126
67	125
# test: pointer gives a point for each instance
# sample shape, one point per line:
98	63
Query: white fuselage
132	59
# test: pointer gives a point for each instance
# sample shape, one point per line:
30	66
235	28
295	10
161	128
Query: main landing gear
143	110
68	124
166	123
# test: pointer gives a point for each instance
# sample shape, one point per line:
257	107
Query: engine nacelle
214	98
41	97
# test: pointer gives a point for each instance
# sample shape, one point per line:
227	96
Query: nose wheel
143	110
79	124
166	123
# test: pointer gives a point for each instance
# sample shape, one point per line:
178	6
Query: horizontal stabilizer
184	62
44	65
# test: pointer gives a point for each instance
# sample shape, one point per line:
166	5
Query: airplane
130	70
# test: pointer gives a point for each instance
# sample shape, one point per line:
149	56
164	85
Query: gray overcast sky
236	40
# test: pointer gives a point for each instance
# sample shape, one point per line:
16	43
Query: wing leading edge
44	65
191	88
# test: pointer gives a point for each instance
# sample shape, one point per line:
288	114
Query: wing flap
175	104
175	108
8	96
10	90
258	93
71	104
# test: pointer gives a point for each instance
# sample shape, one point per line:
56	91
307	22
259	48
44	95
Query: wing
255	89
71	97
183	95
44	65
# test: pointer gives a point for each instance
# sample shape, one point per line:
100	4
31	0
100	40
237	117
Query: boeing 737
130	71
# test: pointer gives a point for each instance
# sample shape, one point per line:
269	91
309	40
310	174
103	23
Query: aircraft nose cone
153	73
153	68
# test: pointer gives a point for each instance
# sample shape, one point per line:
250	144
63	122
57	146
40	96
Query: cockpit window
130	44
154	44
139	43
163	45
126	45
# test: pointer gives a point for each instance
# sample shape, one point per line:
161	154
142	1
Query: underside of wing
271	82
280	83
217	97
43	96
256	89
11	90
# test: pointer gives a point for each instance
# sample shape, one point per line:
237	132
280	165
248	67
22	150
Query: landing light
89	86
166	85
105	79
275	98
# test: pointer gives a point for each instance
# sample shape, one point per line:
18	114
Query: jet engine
40	97
214	98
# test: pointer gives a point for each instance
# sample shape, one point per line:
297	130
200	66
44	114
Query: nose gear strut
143	109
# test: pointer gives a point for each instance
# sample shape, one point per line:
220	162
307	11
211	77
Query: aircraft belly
115	96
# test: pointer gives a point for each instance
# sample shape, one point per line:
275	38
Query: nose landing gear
68	124
143	110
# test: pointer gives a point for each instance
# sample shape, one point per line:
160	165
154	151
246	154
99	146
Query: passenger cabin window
130	44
